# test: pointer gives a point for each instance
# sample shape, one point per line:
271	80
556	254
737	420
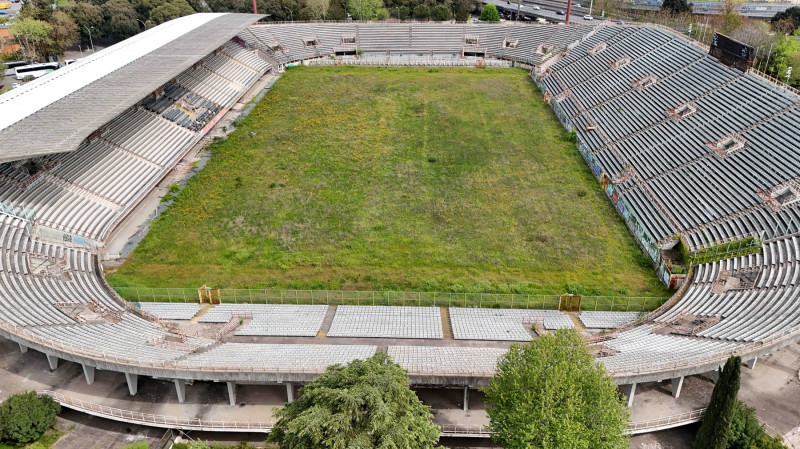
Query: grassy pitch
395	179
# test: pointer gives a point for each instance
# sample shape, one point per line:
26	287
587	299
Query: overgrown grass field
395	179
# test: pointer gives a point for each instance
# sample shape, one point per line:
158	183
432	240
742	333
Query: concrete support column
289	392
751	363
232	392
629	391
677	384
88	371
52	361
133	383
715	375
180	387
466	398
22	348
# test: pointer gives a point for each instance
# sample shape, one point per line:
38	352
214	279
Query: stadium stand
606	320
503	324
688	143
271	320
386	322
171	311
688	146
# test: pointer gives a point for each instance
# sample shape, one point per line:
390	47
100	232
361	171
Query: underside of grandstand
684	146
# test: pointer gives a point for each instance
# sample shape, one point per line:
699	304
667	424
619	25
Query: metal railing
152	419
392	298
666	422
185	423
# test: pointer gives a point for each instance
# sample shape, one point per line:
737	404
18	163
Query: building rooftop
56	112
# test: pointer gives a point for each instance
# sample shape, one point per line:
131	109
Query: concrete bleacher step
201	312
326	323
447	329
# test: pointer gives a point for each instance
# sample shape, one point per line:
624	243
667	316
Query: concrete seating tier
386	322
641	349
171	310
277	357
748	312
450	360
503	324
679	183
271	319
606	320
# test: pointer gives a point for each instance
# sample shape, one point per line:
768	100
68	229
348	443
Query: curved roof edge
55	113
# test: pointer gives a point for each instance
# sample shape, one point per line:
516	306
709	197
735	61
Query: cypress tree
713	433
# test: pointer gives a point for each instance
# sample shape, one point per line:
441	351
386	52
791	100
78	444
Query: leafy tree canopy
366	404
792	14
747	433
422	12
24	417
489	13
440	13
552	393
367	9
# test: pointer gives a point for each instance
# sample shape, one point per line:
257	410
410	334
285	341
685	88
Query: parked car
560	12
15	85
588	17
536	7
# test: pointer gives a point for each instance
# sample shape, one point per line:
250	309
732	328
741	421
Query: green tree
120	19
365	404
747	433
31	34
337	10
676	6
86	15
170	10
63	34
422	12
403	13
462	14
489	13
713	432
792	14
552	393
367	9
440	13
24	417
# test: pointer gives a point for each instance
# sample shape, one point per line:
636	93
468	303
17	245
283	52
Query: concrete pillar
180	387
52	361
677	384
751	363
22	348
88	371
133	383
466	398
232	392
714	375
289	392
629	391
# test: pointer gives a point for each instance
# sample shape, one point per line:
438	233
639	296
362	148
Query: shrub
489	13
24	417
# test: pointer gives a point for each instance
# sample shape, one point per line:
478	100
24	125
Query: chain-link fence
390	298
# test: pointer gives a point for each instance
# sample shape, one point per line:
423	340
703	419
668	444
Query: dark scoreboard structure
731	52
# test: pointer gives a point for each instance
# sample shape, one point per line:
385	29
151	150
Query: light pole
143	24
90	37
591	3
